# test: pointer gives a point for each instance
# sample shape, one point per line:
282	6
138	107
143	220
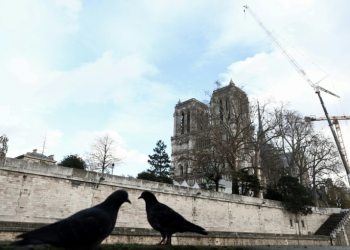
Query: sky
73	70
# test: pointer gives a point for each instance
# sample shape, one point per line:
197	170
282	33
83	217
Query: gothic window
186	169
188	121
201	121
181	170
221	111
182	123
228	110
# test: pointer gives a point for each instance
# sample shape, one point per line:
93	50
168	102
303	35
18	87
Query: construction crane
337	129
315	86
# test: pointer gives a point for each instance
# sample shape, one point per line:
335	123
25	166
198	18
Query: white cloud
105	79
8	117
134	162
72	5
53	137
21	69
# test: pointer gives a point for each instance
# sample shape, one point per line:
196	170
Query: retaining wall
38	193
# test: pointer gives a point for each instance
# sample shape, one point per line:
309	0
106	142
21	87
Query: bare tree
103	155
322	159
263	131
294	138
42	152
3	145
208	168
272	165
337	194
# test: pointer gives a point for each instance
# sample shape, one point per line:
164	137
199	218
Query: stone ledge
20	227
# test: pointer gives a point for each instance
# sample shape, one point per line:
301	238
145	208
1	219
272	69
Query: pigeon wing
87	227
167	220
164	218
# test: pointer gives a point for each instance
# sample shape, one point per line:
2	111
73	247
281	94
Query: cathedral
193	118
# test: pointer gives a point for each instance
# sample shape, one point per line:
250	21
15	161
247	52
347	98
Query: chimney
51	157
34	151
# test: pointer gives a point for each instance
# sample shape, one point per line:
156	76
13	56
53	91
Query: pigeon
165	220
85	229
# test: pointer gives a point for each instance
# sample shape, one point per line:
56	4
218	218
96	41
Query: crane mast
315	86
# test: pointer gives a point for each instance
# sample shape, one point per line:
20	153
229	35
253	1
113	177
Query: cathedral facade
192	119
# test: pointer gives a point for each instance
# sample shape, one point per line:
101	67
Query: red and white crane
315	86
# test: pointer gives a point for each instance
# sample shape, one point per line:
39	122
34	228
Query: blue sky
72	70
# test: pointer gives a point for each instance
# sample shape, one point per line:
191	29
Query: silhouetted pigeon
165	220
84	230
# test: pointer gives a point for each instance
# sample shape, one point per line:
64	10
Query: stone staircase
329	225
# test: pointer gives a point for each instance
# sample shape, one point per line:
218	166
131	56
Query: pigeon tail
200	232
44	235
190	227
26	242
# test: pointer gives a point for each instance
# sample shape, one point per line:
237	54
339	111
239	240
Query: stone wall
39	193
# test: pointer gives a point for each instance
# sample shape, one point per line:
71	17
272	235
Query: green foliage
73	161
293	195
248	182
147	175
160	166
150	176
273	194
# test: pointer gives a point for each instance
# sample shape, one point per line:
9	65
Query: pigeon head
148	196
118	198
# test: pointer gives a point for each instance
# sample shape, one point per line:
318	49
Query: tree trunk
256	171
300	176
314	191
235	187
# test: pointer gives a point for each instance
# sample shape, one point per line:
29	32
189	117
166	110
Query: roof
227	87
192	100
36	155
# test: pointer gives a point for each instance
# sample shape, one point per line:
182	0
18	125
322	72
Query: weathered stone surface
38	193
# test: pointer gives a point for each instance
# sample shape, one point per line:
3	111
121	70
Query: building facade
193	119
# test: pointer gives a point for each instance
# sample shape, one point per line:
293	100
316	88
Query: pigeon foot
160	243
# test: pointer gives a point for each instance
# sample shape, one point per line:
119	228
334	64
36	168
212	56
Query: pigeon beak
140	197
127	200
